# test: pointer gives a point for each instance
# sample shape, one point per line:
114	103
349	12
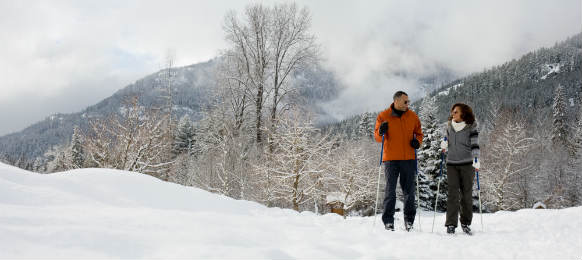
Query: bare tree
504	165
293	47
220	162
540	158
233	88
136	141
249	41
268	45
297	164
167	81
352	174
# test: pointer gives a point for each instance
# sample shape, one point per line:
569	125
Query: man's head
401	101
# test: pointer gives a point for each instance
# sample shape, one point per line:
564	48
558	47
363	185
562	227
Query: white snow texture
102	213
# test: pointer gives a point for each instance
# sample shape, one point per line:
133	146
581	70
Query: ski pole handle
382	150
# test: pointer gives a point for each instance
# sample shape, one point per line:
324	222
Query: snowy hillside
193	89
100	213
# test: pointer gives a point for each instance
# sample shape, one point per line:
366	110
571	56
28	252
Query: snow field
101	213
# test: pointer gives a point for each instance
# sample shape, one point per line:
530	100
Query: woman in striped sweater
463	151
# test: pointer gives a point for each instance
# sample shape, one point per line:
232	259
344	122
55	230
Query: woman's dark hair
466	113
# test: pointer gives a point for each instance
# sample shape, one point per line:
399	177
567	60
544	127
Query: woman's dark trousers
460	181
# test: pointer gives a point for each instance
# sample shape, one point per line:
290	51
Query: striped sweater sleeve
474	141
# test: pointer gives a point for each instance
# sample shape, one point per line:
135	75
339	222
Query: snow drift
102	213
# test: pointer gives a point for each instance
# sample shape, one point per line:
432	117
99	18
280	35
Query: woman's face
456	113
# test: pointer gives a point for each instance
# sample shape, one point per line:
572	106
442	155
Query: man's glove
476	164
415	143
383	128
444	145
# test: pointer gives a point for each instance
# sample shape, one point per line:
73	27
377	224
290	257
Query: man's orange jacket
401	130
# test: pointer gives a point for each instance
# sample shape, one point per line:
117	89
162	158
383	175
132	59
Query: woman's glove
444	145
476	164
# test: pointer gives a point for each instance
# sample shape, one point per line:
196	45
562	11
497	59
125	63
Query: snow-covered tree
266	48
134	141
560	134
489	120
166	81
562	152
293	174
293	47
223	155
184	137
425	193
504	170
365	127
577	139
234	89
540	159
76	151
39	165
430	158
575	166
353	174
57	159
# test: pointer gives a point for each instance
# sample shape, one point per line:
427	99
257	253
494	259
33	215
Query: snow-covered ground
446	91
551	70
100	213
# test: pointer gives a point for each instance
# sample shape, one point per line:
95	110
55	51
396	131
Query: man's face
401	103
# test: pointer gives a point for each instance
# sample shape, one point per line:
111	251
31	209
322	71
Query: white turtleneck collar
458	126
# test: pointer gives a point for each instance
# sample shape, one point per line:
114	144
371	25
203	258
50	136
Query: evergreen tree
365	128
426	194
575	188
442	187
560	129
562	153
77	152
184	137
577	139
429	158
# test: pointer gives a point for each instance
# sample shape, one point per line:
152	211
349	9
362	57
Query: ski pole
417	188
438	189
479	189
378	186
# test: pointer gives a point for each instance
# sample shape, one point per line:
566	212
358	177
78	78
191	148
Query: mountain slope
192	87
102	213
524	86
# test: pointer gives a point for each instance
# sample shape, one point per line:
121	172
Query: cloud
380	47
50	50
54	50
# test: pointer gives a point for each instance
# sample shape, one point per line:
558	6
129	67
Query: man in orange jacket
402	135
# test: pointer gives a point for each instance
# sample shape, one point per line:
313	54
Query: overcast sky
62	56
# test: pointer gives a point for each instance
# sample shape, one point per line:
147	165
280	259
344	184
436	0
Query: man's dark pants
406	170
